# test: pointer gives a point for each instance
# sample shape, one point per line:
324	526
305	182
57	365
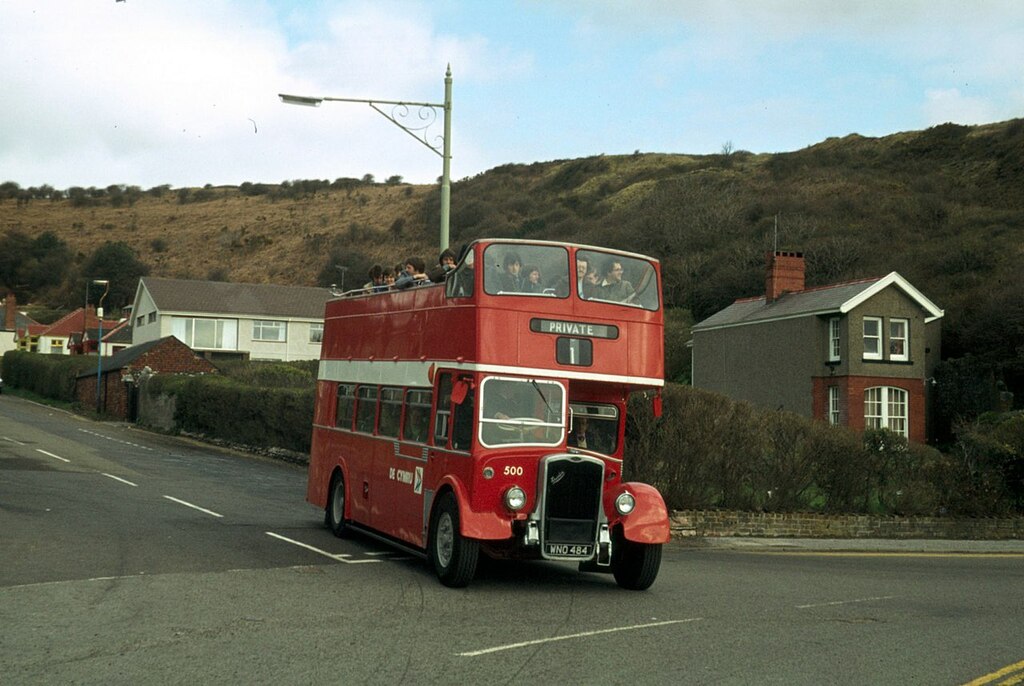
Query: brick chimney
10	312
784	274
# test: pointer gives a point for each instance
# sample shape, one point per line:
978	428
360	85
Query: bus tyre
334	515
452	555
635	565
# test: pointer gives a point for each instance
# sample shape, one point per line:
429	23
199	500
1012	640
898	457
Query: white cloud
168	92
950	105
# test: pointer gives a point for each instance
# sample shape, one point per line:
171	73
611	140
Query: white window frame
877	355
316	332
905	338
269	330
833	339
225	332
887	407
833	405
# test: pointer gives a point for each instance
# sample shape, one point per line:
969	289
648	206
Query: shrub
50	376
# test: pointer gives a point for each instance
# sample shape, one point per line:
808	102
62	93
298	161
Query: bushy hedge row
227	409
705	451
50	376
708	451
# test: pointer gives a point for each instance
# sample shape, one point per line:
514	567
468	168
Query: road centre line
117	478
56	457
1009	669
6	438
583	634
194	507
846	602
337	557
893	553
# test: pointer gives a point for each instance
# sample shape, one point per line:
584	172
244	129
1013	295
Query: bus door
454	399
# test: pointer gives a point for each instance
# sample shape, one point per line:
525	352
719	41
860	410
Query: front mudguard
484	526
648	522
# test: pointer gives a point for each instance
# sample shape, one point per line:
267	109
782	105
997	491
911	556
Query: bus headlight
515	498
625	503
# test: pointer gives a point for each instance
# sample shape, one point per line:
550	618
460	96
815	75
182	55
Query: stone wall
796	525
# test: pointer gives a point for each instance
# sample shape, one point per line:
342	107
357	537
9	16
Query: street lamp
99	336
400	110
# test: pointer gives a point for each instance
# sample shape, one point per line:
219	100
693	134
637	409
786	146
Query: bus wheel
635	565
452	555
334	515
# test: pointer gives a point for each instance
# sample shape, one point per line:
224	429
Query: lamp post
99	337
400	110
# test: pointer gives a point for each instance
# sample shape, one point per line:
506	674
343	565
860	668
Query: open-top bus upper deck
571	311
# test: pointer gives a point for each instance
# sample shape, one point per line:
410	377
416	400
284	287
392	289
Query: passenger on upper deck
532	282
376	282
581	271
614	287
461	283
412	273
591	287
445	265
511	279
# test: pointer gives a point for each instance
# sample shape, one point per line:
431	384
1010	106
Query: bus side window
346	406
366	408
390	411
444	410
417	416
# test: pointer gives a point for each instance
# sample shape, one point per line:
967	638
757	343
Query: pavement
859	545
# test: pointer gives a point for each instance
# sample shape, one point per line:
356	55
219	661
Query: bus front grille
572	505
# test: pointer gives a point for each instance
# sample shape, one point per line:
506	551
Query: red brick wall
851	401
170	357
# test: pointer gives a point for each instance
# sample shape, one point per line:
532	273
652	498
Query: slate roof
835	299
21	321
121	334
217	297
123	358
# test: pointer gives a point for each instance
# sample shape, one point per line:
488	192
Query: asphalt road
128	557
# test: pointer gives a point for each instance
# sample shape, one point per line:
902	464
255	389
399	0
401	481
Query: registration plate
570	550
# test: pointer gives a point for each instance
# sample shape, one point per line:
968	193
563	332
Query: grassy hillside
944	207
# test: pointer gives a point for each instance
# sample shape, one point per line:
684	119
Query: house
120	374
232	320
859	354
11	322
119	339
65	336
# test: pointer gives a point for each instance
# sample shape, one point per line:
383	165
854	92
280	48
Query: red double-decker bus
486	414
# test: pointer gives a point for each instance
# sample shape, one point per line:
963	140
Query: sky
185	92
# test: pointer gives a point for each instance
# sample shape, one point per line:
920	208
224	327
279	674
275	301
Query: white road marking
115	440
56	457
846	602
13	441
194	507
338	557
117	478
584	634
